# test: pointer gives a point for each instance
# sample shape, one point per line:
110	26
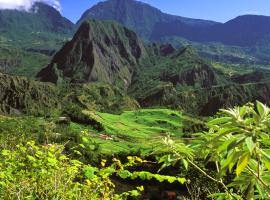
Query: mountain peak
101	51
40	18
126	13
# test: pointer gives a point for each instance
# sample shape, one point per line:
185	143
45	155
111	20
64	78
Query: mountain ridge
154	25
100	51
125	12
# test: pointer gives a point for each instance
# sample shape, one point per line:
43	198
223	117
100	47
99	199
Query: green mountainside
32	36
154	75
244	39
24	96
100	51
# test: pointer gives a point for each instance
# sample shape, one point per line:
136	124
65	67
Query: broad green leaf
262	109
231	160
266	159
221	120
243	111
242	163
89	172
250	144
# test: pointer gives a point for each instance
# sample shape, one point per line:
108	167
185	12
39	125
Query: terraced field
137	131
132	132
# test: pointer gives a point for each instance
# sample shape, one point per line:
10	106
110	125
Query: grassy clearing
137	131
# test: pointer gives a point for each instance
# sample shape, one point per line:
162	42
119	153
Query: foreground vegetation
231	160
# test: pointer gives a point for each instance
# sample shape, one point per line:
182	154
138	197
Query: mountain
242	31
152	24
41	18
19	95
41	29
244	39
246	30
126	13
105	52
181	79
100	51
29	39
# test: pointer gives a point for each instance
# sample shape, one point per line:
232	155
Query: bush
237	145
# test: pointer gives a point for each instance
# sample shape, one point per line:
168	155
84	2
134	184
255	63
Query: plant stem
265	185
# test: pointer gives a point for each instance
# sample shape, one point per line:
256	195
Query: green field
137	131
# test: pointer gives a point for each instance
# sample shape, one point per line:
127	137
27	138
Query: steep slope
19	95
16	61
244	39
155	75
23	96
100	51
182	80
126	13
29	39
244	31
41	18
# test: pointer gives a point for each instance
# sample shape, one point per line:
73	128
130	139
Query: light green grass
133	132
137	131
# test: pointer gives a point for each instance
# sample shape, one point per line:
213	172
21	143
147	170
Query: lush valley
127	106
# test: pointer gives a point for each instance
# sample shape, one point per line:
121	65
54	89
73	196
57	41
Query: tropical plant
238	144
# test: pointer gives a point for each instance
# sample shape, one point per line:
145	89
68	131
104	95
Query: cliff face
100	51
19	95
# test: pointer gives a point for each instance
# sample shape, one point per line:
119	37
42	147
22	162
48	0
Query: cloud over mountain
27	4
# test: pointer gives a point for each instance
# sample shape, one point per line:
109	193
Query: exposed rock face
100	51
167	49
202	76
257	76
22	95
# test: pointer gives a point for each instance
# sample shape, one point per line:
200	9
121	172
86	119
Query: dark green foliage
20	95
22	63
98	96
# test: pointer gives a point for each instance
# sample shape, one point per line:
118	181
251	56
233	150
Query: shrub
238	146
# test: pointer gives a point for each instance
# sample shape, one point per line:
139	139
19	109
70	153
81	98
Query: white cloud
27	4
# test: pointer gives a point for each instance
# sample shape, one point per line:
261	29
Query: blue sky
217	10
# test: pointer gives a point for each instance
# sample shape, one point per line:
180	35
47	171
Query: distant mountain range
154	25
138	16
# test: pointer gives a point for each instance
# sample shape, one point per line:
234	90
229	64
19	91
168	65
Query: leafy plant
237	143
